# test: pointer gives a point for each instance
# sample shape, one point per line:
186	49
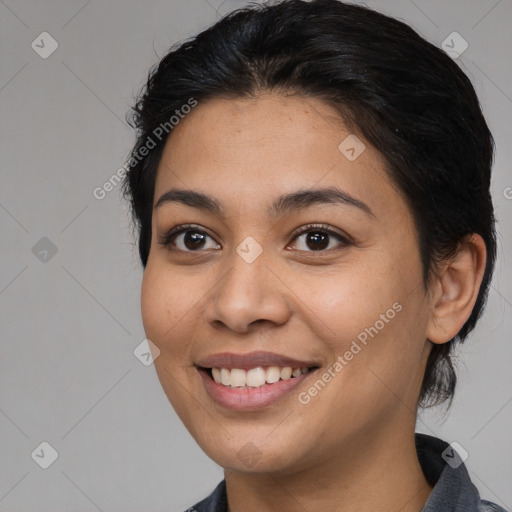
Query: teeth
225	377
216	375
238	378
255	377
286	373
273	374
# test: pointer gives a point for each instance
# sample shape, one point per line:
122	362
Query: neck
378	474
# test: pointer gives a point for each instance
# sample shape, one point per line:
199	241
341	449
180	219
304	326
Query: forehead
253	149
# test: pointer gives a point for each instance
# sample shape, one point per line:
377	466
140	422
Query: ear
455	289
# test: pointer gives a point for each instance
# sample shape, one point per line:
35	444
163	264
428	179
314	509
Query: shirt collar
445	470
452	490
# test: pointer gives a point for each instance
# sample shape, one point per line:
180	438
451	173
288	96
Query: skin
352	446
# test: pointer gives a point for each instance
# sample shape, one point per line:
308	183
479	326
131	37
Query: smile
252	381
255	377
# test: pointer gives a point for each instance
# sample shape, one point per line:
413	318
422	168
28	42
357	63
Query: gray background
70	324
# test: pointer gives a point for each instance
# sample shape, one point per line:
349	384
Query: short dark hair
403	94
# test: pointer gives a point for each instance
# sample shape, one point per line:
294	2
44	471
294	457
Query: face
303	255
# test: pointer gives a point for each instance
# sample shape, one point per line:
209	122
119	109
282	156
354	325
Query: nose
248	294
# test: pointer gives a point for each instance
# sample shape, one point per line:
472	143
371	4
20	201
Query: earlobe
455	290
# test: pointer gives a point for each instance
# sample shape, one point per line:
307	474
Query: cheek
167	317
172	308
354	298
163	309
374	317
153	304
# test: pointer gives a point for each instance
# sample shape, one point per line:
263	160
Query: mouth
256	377
252	381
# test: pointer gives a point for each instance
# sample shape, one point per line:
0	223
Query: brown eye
187	239
318	238
193	240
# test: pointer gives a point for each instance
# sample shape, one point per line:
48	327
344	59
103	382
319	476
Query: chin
248	451
249	458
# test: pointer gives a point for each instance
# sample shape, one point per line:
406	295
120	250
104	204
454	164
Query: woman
316	233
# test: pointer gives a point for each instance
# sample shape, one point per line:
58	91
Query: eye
193	239
189	236
318	238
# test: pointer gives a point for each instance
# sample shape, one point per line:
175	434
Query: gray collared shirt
452	490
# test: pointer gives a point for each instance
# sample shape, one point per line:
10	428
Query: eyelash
168	237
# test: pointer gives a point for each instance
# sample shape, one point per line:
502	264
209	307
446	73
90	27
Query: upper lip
251	360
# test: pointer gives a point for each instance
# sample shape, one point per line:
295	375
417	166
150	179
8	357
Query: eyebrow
299	200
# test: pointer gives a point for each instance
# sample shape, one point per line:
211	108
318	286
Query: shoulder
487	506
444	469
215	502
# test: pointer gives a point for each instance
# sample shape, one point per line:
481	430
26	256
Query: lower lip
250	399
